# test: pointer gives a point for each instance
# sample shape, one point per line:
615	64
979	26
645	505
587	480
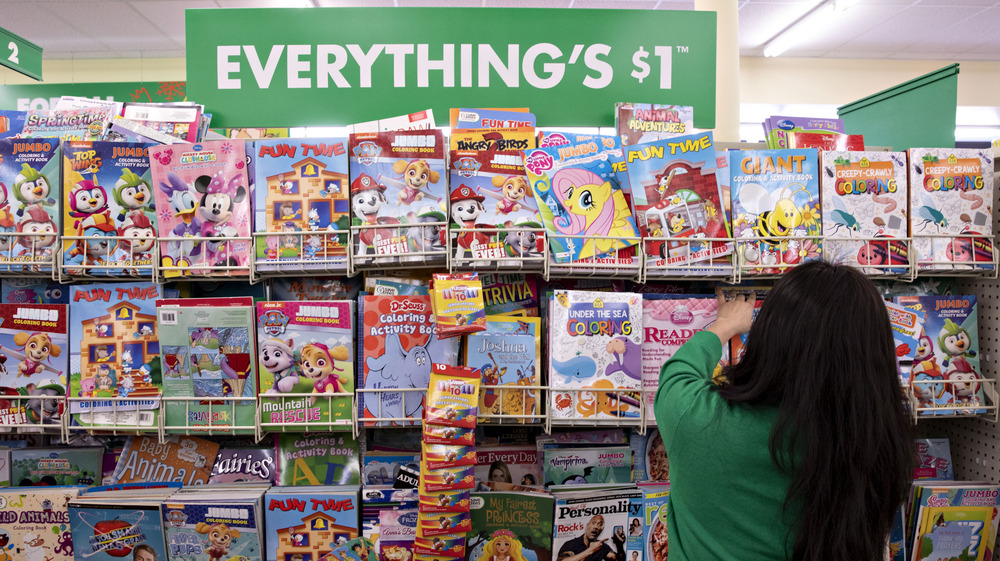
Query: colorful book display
595	516
508	354
305	348
34	523
638	123
214	525
201	192
110	529
677	190
108	205
595	354
865	197
301	185
526	536
308	523
776	207
30	204
33	344
951	191
398	178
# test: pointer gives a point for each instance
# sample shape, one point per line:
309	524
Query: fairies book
301	185
595	354
306	348
202	204
864	209
29	204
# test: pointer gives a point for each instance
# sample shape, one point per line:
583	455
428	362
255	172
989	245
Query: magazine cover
666	325
775	195
206	350
183	459
580	193
301	185
563	464
601	516
56	466
648	122
649	456
114	356
68	124
305	348
237	465
655	505
951	193
595	344
490	192
107	532
397	530
212	529
398	345
517	465
29	204
34	523
508	353
106	196
201	190
398	178
865	196
307	524
317	459
33	345
518	523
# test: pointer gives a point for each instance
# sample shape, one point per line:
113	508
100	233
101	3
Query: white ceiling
959	30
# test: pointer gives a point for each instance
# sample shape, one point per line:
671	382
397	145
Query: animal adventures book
30	204
33	345
776	209
595	354
865	196
301	185
306	348
202	192
114	357
648	122
398	345
108	204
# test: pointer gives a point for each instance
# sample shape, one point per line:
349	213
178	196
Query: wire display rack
299	412
97	262
965	255
116	415
296	254
596	407
513	249
622	260
39	413
28	254
689	258
413	246
192	257
219	415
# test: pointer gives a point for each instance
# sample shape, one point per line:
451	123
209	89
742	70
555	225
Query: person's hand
735	314
594	546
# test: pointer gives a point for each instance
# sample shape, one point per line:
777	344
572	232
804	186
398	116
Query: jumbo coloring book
203	527
30	204
33	344
202	192
108	203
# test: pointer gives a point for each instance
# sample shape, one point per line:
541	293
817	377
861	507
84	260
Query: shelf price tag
20	55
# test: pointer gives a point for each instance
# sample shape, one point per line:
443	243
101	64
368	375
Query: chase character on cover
588	547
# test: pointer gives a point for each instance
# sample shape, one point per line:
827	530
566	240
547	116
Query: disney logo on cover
367	152
273	322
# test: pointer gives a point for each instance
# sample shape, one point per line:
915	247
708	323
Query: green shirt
726	495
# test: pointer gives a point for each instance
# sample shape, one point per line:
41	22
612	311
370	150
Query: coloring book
29	204
308	523
34	523
33	346
648	122
508	353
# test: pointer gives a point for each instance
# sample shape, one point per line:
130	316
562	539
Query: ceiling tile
675	5
440	3
915	25
840	30
616	4
355	3
168	16
760	21
527	3
264	3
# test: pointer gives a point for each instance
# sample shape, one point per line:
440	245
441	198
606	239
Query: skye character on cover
416	174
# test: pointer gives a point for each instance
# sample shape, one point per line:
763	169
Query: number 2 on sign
13	53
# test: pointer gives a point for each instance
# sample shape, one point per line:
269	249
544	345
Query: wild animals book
399	180
580	193
865	196
35	524
183	459
777	217
108	206
595	354
951	196
308	523
317	459
677	189
30	204
33	366
508	353
301	185
648	122
305	348
398	345
207	351
520	523
202	192
114	357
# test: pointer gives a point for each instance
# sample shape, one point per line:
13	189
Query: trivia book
399	180
114	357
29	204
306	348
865	197
301	185
595	354
108	205
201	191
677	190
777	220
33	373
951	196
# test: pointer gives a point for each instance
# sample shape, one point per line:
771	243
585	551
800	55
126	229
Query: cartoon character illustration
87	198
929	214
5	546
286	211
513	190
290	241
132	193
466	208
87	387
924	361
843	219
272	247
429	238
317	363
126	387
397	367
313	244
7	224
127	362
628	358
97	246
417	174
926	389
313	219
220	538
37	347
43	229
31	188
105	379
593	208
139	236
367	199
183	204
954	341
218	199
146	372
189	453
46	403
277	357
503	545
34	546
522	243
964	383
773	215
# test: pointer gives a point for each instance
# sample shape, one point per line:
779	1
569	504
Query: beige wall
66	71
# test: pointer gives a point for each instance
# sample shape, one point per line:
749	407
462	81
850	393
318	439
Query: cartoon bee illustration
772	214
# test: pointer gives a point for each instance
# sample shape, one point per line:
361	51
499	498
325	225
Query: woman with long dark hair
802	450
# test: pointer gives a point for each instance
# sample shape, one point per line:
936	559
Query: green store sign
44	96
336	66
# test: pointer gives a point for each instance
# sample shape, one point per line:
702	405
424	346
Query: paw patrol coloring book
32	363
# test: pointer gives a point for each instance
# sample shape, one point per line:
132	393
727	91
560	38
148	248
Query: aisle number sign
20	55
335	66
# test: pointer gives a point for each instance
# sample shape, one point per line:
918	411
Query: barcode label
145	418
140	115
168	317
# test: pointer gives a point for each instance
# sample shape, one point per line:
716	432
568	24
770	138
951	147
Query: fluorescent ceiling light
822	15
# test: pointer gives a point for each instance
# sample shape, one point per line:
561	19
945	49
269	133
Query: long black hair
821	350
